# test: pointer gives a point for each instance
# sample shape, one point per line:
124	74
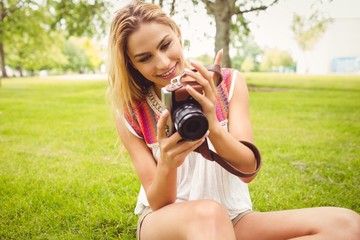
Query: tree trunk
20	70
222	39
222	13
2	60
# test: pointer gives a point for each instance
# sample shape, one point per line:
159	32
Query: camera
186	115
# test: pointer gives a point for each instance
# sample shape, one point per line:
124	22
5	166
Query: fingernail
189	87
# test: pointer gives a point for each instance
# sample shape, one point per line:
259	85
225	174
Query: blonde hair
126	84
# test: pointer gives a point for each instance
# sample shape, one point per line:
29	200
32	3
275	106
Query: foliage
93	52
36	53
308	30
63	175
79	18
77	60
28	29
205	59
247	50
248	65
275	59
82	55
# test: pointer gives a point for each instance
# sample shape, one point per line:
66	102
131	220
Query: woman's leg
310	223
201	219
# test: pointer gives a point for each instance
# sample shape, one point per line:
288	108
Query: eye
165	45
145	58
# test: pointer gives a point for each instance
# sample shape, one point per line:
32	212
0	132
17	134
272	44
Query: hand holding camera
186	115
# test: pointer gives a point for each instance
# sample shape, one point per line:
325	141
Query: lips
169	74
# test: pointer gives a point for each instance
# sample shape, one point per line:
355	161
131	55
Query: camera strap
217	70
212	156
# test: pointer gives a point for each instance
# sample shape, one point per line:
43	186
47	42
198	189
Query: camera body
186	115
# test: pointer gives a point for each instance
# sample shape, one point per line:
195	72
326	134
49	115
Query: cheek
147	70
176	51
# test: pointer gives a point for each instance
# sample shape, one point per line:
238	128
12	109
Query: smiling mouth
169	73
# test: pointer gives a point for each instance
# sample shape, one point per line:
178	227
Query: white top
199	178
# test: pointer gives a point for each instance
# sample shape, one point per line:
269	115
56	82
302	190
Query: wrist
165	169
215	129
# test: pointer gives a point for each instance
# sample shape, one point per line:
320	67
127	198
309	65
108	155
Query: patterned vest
145	114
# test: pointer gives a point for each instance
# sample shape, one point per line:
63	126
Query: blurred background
63	37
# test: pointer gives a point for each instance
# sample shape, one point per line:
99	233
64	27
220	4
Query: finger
209	90
195	94
161	124
188	146
217	61
175	137
200	78
219	57
204	72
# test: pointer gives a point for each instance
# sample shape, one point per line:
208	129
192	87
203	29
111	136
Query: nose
163	61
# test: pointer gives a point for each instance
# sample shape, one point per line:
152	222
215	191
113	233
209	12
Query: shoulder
231	79
142	118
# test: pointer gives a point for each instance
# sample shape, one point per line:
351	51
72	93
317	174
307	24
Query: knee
209	220
348	222
209	211
340	223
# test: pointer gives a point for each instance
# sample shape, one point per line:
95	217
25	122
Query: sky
271	28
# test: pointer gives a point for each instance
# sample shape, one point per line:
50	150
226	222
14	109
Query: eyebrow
157	47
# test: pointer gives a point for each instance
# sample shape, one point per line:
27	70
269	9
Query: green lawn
62	177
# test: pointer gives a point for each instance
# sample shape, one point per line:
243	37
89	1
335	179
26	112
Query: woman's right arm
158	179
159	183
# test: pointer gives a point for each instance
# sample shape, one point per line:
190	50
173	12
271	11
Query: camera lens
190	122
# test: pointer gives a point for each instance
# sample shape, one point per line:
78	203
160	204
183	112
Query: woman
183	195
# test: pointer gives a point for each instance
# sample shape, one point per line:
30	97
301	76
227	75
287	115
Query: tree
71	17
34	54
276	60
9	12
205	59
248	65
246	50
308	30
76	57
92	51
82	55
30	45
79	17
229	18
230	15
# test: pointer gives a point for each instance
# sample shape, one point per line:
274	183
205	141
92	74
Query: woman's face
155	51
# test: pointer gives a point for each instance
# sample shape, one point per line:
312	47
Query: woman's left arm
226	143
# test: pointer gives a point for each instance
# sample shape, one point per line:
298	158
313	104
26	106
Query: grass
308	130
62	176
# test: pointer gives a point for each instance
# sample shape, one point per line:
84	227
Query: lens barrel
190	122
